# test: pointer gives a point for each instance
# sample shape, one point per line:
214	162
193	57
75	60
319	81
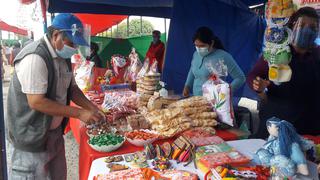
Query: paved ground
72	148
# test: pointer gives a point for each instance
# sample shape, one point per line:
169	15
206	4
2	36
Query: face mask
155	40
203	51
66	52
305	38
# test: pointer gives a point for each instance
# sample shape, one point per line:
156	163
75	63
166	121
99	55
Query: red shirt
156	52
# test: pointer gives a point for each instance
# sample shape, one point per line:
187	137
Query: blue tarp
240	30
155	8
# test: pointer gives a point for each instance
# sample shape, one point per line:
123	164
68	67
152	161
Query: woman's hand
186	91
260	84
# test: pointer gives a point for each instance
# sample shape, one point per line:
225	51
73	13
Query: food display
137	121
179	174
135	173
98	128
106	142
182	115
110	159
141	137
116	167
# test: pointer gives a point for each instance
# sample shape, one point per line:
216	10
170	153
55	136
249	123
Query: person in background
6	53
156	50
15	51
297	101
209	49
41	88
94	57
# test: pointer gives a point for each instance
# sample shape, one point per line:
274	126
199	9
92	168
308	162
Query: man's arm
80	99
40	103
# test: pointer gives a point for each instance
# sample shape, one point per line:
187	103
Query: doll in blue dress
284	149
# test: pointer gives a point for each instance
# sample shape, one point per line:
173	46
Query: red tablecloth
87	155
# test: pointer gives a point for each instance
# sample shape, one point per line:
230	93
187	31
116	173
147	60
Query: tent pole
111	32
165	30
128	26
140	25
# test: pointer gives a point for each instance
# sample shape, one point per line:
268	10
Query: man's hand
88	116
260	84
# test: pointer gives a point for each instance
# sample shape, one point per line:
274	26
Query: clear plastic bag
84	75
145	68
218	92
134	68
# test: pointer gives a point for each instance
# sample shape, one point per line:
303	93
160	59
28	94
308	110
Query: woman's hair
305	11
205	35
287	135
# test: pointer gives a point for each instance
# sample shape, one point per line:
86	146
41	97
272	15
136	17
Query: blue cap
72	26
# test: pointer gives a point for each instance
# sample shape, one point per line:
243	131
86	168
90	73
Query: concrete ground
71	146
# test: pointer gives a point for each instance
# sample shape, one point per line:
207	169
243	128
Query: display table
246	147
87	154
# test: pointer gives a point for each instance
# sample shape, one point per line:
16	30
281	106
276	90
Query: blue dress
199	72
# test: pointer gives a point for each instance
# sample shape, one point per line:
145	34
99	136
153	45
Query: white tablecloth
247	147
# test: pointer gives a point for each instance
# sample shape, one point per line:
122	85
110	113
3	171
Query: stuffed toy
284	149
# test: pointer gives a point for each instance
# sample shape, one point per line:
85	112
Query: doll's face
273	130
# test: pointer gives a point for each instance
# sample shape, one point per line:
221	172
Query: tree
134	29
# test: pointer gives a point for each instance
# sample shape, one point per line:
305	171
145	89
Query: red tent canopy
6	27
100	23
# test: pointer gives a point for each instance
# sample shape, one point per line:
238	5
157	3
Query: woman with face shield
296	101
209	49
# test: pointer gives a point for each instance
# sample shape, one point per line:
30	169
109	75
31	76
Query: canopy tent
6	27
99	22
240	30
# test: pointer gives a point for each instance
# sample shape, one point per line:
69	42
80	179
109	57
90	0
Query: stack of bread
199	110
168	122
182	115
146	86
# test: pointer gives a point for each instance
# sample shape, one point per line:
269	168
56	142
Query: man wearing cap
39	94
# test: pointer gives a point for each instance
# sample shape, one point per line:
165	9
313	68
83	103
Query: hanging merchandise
277	38
120	65
134	68
83	73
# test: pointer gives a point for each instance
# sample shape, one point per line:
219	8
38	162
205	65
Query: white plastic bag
218	93
84	75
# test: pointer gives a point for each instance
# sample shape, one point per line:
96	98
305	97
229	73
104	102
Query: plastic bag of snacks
84	75
144	69
134	68
218	92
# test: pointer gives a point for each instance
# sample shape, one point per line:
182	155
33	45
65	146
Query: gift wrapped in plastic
84	75
218	92
134	68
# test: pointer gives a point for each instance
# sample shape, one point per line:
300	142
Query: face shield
80	37
305	33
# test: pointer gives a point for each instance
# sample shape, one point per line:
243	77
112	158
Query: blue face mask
66	52
203	51
305	38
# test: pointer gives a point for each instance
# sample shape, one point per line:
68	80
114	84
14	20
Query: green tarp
111	46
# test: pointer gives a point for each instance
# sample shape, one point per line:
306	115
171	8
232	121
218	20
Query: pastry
116	167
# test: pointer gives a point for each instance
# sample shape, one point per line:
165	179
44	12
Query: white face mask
66	52
203	51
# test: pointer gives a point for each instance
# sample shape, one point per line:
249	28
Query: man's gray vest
28	128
